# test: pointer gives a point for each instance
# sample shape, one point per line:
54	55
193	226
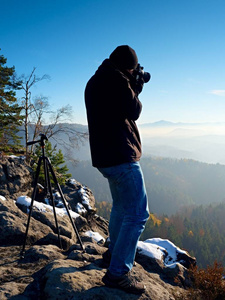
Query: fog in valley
202	142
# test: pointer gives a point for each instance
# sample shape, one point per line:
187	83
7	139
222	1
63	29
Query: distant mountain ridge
160	123
163	123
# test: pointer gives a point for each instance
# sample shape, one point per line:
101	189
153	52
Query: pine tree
10	117
57	161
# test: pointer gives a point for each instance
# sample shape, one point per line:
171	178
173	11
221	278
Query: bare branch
63	134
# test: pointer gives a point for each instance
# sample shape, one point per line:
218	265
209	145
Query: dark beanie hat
124	57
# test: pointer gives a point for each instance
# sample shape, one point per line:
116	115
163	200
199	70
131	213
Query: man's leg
129	214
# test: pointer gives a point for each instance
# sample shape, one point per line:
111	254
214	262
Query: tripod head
41	141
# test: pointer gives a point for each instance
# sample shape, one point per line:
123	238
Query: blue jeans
128	216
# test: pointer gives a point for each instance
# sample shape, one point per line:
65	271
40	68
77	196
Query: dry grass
208	284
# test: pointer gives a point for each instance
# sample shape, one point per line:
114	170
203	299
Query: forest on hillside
200	230
171	184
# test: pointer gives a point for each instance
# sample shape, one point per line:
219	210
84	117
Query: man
112	104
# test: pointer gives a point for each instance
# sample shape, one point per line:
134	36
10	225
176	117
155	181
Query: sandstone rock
79	196
45	252
15	176
48	272
13	223
82	279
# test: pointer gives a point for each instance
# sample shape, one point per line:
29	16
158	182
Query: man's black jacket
112	109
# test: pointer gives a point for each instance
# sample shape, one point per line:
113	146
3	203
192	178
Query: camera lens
146	77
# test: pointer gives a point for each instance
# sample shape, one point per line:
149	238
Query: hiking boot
106	258
126	283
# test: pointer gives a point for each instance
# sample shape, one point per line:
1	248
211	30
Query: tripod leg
64	202
31	204
46	174
47	180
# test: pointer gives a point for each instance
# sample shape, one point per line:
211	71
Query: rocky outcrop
15	176
48	272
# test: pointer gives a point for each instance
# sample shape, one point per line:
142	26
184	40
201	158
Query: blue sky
181	43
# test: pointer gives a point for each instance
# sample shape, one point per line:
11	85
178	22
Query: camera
139	73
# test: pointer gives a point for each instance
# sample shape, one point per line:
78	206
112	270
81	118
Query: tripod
48	191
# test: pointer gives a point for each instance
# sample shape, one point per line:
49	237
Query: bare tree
27	83
58	128
63	133
38	108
